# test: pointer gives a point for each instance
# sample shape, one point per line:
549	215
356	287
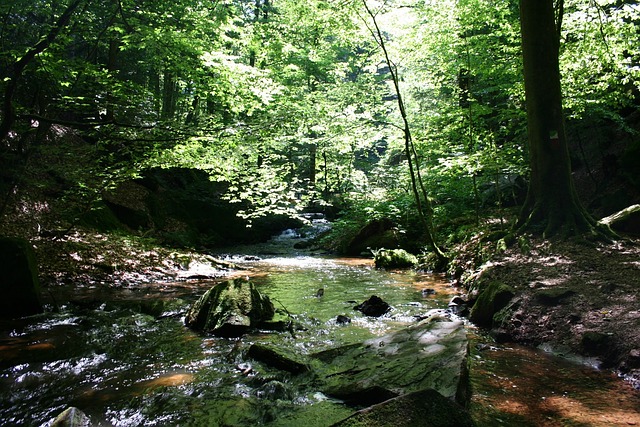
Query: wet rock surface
229	309
431	354
71	417
374	307
424	408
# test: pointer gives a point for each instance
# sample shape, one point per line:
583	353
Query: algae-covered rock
493	298
394	258
229	309
424	408
430	354
20	285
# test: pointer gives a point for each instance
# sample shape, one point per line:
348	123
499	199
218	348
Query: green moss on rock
229	309
394	258
493	298
425	408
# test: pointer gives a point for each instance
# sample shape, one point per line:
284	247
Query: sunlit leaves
600	60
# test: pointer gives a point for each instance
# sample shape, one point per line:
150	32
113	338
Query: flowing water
124	357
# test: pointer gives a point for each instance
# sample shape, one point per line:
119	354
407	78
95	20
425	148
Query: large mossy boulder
494	297
424	408
19	285
229	309
378	233
394	258
72	417
431	354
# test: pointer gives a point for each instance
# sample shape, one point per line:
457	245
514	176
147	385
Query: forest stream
125	358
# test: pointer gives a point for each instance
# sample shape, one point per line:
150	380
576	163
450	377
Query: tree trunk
423	203
169	95
552	204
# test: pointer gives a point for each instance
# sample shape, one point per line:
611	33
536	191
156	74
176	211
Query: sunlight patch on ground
583	414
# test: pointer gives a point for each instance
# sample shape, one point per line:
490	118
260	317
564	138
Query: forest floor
573	297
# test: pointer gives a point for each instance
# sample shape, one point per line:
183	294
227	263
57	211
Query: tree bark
552	205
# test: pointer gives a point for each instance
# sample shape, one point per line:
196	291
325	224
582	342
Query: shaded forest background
204	124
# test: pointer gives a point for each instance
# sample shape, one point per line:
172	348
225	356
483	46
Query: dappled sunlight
585	413
519	385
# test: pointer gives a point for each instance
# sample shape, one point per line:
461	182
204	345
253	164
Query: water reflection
521	386
124	357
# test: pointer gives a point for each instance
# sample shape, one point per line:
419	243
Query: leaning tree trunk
552	205
423	203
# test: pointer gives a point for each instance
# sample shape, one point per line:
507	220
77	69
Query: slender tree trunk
552	204
169	95
112	67
423	203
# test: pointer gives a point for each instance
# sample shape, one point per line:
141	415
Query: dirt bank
569	297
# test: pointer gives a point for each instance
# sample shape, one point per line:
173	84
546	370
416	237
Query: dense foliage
289	103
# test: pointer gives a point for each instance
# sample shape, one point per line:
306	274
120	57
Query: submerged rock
425	408
276	358
229	309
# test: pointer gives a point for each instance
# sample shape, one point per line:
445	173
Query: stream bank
571	298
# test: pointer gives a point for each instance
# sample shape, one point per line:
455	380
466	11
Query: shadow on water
124	357
516	385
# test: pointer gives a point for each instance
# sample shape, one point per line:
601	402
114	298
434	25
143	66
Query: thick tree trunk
552	204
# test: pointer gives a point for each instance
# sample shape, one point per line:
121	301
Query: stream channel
124	357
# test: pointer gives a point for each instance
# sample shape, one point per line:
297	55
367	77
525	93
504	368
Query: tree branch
16	70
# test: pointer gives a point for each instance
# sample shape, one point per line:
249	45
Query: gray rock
71	417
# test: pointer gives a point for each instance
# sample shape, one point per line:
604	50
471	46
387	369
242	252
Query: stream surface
123	356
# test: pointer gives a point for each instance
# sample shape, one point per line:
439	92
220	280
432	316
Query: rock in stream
431	354
229	309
